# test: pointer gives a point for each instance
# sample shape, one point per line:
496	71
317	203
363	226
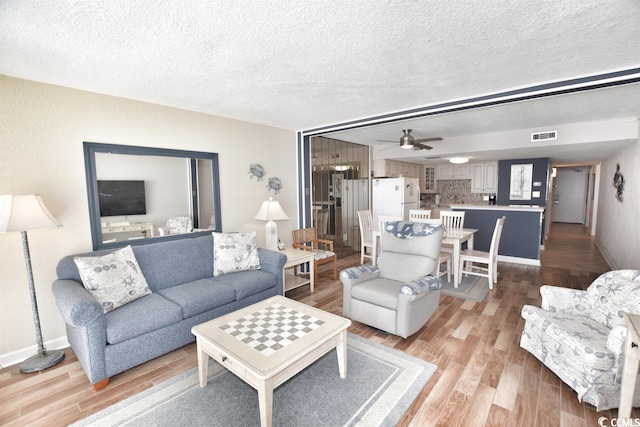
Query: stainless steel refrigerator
394	197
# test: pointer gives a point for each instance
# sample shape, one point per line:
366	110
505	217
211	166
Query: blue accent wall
541	174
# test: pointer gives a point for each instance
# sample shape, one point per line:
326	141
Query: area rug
471	287
380	386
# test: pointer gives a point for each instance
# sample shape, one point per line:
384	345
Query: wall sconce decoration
256	170
618	183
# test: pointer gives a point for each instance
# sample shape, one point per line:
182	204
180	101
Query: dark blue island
522	235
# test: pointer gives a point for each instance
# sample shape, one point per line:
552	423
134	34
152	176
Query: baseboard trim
15	357
517	260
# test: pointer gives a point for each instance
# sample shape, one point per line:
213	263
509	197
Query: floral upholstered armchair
402	291
580	335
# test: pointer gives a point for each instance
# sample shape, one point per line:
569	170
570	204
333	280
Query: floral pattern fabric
114	279
408	230
419	286
580	335
233	252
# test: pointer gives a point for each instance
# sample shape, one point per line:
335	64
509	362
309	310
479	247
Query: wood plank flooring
483	378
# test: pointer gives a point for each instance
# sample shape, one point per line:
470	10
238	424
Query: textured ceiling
303	64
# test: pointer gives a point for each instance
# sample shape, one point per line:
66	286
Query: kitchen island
522	235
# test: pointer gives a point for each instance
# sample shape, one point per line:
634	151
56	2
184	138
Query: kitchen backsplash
454	191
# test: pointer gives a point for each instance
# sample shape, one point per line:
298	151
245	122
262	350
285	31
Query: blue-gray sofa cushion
248	282
150	313
199	296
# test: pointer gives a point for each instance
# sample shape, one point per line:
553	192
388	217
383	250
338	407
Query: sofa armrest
351	277
76	305
615	344
565	300
273	262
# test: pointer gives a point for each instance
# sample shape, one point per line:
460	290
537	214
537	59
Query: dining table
455	238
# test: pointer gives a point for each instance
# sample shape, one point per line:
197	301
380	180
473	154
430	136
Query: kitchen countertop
526	208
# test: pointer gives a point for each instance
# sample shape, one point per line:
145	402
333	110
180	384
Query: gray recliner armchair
402	291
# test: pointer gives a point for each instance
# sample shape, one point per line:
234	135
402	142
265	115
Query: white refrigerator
394	197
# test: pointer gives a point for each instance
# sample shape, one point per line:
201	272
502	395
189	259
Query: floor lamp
22	213
271	211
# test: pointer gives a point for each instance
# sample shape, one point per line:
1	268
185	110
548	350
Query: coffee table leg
341	349
265	400
203	365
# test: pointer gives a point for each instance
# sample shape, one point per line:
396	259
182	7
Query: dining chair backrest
433	221
419	215
382	219
365	220
452	220
495	240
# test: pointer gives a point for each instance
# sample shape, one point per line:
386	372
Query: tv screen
121	198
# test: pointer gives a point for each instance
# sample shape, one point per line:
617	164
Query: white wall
618	223
42	128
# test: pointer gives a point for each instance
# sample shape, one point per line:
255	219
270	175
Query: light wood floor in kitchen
483	378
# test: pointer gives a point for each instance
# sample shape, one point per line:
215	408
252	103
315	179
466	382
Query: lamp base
43	361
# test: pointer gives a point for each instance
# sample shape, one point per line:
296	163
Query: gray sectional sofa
184	293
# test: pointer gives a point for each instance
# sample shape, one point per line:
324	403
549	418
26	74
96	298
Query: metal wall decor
256	170
618	183
274	184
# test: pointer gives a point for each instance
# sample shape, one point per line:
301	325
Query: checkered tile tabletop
271	328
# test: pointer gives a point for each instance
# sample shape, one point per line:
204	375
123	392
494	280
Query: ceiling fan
408	142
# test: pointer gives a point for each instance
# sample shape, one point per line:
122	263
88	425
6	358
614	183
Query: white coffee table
296	336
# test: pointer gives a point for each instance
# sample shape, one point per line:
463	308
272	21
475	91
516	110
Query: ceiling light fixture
458	160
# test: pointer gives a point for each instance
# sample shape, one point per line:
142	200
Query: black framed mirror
138	195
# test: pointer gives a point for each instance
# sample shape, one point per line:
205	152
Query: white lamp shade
271	211
24	212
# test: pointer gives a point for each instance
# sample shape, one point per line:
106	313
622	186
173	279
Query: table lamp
271	211
22	213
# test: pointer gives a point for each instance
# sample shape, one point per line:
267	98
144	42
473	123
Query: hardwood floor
483	378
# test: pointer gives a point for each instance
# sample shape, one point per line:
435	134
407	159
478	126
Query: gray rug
471	287
380	386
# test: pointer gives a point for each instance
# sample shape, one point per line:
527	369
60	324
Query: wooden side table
297	257
630	368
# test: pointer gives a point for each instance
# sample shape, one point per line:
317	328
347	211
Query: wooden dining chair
382	219
445	257
451	221
419	215
306	239
469	258
365	220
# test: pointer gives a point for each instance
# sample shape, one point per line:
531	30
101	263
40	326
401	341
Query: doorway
570	195
339	189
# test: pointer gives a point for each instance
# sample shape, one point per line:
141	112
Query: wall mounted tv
121	198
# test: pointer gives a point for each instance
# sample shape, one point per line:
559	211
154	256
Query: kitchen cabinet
451	171
484	177
393	168
428	181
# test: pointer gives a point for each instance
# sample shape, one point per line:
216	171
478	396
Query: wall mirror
138	195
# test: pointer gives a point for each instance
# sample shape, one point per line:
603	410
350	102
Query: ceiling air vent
544	136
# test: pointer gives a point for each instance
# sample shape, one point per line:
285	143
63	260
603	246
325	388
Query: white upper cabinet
451	171
484	177
428	181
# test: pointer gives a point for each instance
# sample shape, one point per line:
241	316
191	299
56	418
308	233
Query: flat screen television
121	198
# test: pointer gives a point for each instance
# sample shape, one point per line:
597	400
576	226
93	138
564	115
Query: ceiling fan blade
386	140
419	147
437	138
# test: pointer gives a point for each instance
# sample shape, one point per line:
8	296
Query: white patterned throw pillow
234	252
113	279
